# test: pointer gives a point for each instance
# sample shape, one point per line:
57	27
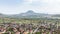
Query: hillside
31	14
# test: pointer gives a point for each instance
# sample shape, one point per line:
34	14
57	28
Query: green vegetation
26	20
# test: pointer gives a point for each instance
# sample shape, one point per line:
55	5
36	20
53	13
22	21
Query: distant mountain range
31	14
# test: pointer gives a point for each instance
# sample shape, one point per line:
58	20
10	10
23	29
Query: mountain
56	15
30	14
2	15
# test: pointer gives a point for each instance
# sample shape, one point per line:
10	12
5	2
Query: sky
21	6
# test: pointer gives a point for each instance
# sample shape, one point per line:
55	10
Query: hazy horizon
22	6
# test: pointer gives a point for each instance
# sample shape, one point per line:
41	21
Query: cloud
40	6
27	1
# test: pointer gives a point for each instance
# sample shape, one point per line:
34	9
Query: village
31	28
